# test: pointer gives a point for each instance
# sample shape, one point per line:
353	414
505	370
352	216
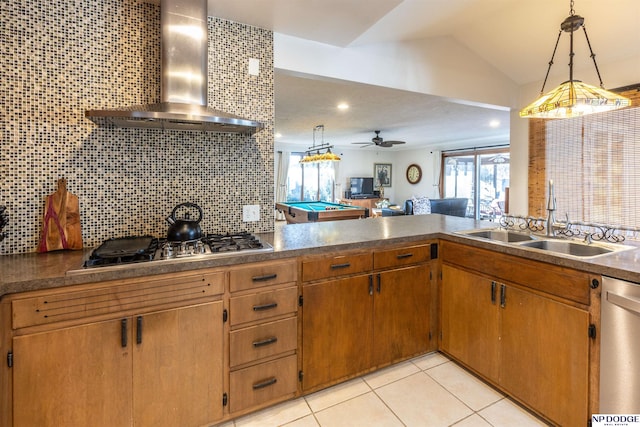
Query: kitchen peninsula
339	257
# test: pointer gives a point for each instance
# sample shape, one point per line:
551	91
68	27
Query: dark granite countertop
19	273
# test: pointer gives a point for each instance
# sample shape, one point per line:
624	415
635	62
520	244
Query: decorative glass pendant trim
574	99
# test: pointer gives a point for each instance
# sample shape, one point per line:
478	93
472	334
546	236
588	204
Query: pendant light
573	98
317	153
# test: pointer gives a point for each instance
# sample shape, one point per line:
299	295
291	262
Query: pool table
297	212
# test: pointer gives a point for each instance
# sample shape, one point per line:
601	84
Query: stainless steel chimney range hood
183	91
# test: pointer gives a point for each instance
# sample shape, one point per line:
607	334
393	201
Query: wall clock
414	174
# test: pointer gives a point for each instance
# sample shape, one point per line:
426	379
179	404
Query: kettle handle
188	205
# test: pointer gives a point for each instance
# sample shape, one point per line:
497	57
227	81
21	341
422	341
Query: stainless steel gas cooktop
140	249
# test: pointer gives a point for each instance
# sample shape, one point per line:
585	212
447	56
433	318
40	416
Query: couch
449	206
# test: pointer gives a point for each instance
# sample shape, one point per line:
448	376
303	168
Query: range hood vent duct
183	91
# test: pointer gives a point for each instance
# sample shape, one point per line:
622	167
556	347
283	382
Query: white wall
360	163
429	162
519	165
357	163
441	67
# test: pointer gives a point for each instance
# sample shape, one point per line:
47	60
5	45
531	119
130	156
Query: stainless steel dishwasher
620	347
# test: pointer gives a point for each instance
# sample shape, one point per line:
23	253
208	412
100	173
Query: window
593	161
482	176
310	181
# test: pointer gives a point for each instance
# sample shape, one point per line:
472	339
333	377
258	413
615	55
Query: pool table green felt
296	212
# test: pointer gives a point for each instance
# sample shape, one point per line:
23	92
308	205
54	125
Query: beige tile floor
427	391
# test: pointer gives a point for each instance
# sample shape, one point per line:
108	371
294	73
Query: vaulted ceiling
514	36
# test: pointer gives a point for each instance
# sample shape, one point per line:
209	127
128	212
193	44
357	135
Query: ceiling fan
379	142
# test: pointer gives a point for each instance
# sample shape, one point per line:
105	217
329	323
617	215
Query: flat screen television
361	186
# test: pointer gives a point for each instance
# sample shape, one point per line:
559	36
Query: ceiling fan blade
395	142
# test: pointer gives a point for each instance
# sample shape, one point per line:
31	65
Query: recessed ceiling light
343	106
278	135
494	123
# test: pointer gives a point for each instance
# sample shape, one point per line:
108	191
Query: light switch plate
254	66
250	213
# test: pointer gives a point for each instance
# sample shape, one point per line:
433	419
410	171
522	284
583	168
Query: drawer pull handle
402	256
344	265
123	333
139	330
265	342
265	383
493	292
264	278
265	306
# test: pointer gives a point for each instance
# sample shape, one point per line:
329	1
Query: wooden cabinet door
401	313
470	320
545	355
177	366
78	376
337	330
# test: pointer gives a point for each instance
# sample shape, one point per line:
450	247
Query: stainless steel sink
549	244
576	248
569	248
500	235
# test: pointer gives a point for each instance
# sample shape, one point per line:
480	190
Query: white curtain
337	186
281	181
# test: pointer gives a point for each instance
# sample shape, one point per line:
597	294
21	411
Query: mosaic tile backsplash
60	58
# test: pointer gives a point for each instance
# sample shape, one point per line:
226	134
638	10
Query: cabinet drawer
263	383
258	342
112	297
401	256
265	274
333	266
263	305
556	280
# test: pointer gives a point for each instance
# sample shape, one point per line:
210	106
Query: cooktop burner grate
136	249
123	250
232	242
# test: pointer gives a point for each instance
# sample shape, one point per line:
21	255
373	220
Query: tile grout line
371	389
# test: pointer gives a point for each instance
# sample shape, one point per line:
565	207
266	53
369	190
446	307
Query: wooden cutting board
61	221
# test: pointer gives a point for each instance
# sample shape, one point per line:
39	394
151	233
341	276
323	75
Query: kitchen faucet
551	208
552	225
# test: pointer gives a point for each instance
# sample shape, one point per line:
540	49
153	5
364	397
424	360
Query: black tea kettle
184	230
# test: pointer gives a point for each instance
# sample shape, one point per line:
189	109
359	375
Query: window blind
594	162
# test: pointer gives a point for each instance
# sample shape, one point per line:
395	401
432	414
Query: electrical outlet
250	213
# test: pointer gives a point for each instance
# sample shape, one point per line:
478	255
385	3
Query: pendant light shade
573	98
317	153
